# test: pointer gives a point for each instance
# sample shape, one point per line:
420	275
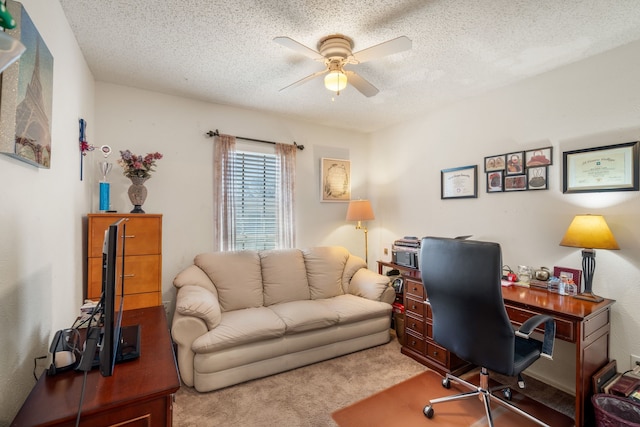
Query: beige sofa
248	314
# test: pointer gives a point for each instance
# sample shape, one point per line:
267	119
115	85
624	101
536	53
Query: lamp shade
335	81
360	210
589	231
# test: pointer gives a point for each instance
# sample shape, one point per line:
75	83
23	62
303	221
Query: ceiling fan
336	52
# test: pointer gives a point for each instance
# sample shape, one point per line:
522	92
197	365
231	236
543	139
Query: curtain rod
211	134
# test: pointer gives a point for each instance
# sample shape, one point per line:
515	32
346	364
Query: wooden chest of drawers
143	260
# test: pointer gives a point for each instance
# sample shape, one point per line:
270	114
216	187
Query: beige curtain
286	154
223	197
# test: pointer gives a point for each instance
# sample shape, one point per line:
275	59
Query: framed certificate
607	168
459	183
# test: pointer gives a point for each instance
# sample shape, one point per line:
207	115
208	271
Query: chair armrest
527	328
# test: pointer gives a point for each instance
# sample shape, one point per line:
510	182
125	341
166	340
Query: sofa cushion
368	284
351	308
300	316
236	275
325	266
284	276
241	327
199	302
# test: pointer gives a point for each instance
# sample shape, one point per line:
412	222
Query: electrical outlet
635	361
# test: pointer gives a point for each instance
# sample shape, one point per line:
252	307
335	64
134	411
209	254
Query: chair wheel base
428	411
446	383
507	393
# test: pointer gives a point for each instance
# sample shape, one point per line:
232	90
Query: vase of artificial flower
138	169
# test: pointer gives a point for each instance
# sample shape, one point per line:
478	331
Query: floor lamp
360	210
589	232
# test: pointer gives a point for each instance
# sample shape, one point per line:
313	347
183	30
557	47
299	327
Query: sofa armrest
184	331
199	302
368	284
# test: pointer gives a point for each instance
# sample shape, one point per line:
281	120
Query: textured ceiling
223	51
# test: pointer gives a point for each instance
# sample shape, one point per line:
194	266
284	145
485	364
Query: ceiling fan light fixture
335	80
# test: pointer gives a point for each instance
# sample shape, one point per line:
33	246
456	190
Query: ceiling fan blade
363	86
304	80
298	47
389	47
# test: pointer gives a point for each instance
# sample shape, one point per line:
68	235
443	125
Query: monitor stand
128	348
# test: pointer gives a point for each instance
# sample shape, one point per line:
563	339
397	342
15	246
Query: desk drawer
415	289
414	307
564	328
438	353
415	343
416	325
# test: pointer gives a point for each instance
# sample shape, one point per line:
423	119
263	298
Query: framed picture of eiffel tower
26	95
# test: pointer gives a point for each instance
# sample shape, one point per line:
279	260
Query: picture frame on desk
571	273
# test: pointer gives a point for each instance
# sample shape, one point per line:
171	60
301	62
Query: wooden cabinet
140	392
143	260
419	343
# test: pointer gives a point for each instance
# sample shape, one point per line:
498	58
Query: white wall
181	187
41	221
591	103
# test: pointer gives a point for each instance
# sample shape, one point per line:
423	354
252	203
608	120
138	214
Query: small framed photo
459	183
515	163
494	163
495	181
515	183
537	178
571	273
539	157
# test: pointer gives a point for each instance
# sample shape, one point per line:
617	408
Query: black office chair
462	283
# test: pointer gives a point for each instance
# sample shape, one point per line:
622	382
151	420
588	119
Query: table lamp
360	210
589	232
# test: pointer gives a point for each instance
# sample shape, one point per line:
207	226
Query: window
253	195
255	205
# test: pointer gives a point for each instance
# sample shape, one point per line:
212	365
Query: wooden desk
140	392
583	323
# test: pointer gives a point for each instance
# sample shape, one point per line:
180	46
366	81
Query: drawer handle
413	342
413	324
435	353
132	236
413	307
128	275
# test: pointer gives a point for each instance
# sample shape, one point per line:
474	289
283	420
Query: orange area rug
402	405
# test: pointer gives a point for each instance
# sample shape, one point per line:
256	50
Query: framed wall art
515	182
459	183
335	180
515	163
606	168
494	163
495	181
539	157
26	97
537	178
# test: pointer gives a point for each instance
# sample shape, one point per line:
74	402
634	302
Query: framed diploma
459	183
607	168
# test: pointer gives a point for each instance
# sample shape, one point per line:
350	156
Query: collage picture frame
518	170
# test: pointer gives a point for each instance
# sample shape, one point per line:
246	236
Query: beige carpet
306	397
